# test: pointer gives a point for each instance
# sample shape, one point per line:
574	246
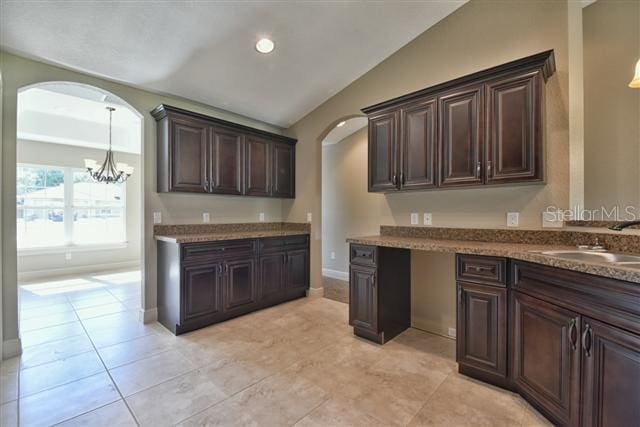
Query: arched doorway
78	241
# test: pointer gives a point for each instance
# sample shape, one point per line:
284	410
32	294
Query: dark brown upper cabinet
514	128
460	136
484	128
202	154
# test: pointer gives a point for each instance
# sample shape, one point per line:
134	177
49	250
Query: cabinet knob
394	179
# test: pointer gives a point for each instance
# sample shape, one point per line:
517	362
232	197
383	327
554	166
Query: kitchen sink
602	257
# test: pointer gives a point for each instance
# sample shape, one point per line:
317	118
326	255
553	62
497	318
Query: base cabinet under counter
200	284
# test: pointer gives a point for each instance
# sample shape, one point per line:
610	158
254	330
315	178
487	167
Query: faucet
622	226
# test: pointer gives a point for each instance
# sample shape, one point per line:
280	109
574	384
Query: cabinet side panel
168	284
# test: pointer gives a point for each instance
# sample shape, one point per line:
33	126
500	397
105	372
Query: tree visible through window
62	207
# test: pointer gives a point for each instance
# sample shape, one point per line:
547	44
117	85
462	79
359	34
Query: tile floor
88	361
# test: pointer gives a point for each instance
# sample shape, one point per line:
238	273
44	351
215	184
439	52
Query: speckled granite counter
525	252
198	233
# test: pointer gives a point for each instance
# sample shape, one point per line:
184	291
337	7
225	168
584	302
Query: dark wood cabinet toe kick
568	342
200	284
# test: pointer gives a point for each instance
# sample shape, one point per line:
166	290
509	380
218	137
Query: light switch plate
157	217
513	219
206	217
333	255
309	216
428	219
261	217
414	219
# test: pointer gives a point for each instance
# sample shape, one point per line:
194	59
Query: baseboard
11	348
29	276
335	274
148	316
315	292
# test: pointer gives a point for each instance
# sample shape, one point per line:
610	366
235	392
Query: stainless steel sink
593	256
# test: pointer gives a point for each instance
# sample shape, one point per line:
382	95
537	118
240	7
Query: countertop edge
218	237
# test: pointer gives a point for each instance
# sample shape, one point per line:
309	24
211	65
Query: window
59	206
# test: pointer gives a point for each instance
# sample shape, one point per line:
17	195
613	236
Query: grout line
313	409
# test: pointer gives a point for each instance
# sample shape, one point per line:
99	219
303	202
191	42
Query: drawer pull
586	340
481	268
573	338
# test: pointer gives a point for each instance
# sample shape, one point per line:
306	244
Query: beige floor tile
45	310
151	371
136	349
9	414
338	413
67	401
47	320
53	374
176	399
100	310
94	302
102	338
114	414
55	350
88	294
132	303
115	320
30	302
52	333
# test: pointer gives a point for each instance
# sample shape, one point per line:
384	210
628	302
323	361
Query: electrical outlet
414	219
333	255
309	217
452	332
157	217
428	219
513	219
68	256
206	217
261	217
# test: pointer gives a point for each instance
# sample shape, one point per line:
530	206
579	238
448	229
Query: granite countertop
226	235
520	251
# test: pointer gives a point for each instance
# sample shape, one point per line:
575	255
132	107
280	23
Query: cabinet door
257	168
460	137
546	357
514	131
188	162
272	274
418	138
202	290
363	298
610	376
240	283
383	152
226	161
482	328
283	171
298	269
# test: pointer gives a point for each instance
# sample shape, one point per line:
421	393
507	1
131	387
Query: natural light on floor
89	282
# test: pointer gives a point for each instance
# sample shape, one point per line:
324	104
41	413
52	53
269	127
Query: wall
19	72
33	266
612	109
478	35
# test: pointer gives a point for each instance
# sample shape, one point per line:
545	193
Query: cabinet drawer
272	244
214	249
364	255
481	269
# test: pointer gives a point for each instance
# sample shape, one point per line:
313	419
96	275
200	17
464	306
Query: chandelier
110	172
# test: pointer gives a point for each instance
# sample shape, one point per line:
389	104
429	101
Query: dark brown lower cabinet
363	298
204	283
610	375
481	345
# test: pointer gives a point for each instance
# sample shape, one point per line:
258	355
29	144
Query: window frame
68	208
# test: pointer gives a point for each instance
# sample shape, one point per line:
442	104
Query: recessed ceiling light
342	123
265	46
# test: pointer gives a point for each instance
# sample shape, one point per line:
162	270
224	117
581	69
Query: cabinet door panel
460	137
383	152
257	168
363	298
482	328
546	356
283	172
202	290
272	274
188	155
298	269
418	146
610	376
226	161
514	133
240	284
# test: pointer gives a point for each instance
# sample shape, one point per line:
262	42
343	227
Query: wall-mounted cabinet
482	129
201	154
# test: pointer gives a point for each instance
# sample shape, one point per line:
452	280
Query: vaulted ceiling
204	50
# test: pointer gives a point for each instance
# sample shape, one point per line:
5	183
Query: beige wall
612	109
478	35
18	72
